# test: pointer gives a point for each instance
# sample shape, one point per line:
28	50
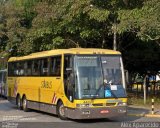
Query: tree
83	23
16	21
143	20
43	25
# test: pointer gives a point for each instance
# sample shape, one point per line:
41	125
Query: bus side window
15	69
29	68
35	68
11	69
44	67
56	66
20	68
25	69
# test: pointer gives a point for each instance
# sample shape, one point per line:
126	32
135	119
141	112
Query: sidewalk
142	111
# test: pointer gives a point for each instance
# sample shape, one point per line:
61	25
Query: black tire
61	111
19	103
24	104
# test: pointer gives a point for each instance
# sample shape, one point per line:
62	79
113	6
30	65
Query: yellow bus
76	83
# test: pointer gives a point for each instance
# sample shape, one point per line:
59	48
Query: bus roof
65	51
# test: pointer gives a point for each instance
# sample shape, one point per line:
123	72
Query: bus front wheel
61	111
24	104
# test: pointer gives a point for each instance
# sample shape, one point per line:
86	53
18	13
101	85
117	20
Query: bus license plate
104	111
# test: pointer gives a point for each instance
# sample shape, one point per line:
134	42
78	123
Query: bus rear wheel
24	104
19	103
61	111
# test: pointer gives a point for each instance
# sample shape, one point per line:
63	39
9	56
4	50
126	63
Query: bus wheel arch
24	103
18	101
60	110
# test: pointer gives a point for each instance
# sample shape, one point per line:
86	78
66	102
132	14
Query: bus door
69	79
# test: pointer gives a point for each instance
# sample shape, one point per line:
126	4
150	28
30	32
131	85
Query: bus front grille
110	104
97	105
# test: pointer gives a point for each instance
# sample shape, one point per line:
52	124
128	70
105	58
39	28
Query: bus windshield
98	77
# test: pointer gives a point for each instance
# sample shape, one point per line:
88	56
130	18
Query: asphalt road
10	117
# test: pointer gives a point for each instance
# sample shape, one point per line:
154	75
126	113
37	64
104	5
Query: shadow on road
7	106
134	114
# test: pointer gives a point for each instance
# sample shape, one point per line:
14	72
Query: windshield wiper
90	95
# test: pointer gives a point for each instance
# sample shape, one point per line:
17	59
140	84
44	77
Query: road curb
142	115
152	115
145	115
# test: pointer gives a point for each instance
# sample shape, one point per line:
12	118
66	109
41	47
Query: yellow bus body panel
49	90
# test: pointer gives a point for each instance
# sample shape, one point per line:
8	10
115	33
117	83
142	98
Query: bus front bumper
95	113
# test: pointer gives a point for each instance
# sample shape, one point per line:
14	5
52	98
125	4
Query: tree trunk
114	37
144	88
137	90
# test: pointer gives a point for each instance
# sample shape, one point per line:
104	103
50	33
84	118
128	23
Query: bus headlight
122	104
83	105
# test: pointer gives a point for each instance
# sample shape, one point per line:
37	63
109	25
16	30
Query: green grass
139	101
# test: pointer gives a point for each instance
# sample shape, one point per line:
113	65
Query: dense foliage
131	26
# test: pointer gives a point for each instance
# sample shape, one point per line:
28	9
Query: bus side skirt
49	108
